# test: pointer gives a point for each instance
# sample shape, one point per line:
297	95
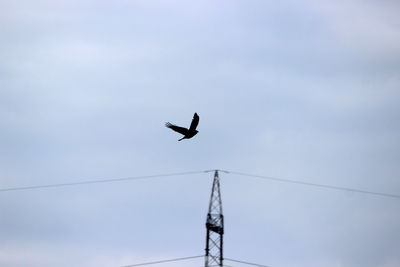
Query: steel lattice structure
215	227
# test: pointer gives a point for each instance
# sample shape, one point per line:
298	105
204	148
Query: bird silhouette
188	133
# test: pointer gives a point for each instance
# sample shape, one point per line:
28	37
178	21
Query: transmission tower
215	227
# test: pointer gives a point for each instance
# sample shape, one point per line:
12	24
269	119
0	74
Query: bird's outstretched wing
178	129
195	122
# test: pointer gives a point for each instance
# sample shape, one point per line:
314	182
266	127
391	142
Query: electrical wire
192	257
98	181
245	262
164	261
348	189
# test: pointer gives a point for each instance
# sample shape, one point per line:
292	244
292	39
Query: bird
188	133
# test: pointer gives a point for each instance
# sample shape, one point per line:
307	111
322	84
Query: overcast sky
304	90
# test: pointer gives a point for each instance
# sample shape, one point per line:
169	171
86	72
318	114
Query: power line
245	262
192	257
98	181
164	261
348	189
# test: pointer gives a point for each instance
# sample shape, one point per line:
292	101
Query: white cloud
371	28
290	89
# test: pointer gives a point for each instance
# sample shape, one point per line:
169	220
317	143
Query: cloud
299	90
367	27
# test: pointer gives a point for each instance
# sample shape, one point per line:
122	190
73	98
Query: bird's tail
182	138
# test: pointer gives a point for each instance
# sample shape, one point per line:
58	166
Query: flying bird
188	133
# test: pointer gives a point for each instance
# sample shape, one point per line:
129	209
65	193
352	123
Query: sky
303	90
